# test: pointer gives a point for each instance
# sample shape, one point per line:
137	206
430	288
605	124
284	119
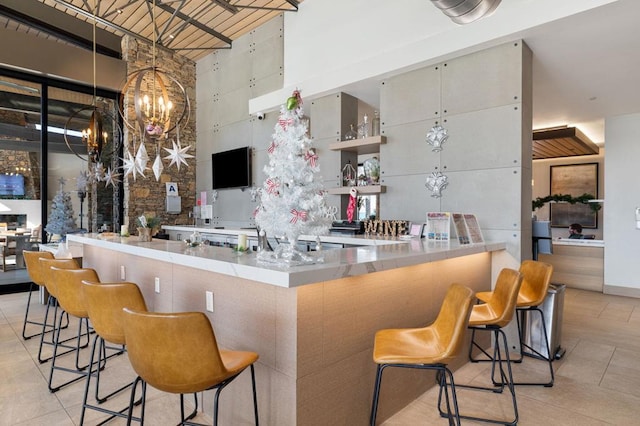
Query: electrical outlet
209	301
157	284
123	274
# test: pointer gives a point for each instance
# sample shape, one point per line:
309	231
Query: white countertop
578	242
381	254
252	234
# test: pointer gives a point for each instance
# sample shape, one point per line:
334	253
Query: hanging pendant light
156	114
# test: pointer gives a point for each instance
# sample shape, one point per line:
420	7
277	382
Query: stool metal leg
531	352
506	378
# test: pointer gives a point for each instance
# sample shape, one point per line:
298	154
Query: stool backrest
536	277
32	262
452	320
105	302
68	284
48	278
173	352
505	295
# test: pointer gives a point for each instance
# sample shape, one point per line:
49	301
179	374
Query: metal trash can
552	307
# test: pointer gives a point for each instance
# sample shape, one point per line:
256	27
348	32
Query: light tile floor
597	381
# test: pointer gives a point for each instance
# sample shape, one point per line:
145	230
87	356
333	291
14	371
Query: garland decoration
564	198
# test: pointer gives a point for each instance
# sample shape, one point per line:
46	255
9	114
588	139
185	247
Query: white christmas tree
61	219
292	198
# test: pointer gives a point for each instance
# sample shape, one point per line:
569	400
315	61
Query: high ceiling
194	28
585	66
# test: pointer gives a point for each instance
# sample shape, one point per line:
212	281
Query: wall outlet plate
209	300
157	284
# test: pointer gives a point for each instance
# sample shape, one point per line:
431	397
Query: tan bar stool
178	353
493	316
536	278
45	265
104	302
32	262
68	290
429	348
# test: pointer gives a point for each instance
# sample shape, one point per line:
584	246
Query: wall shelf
370	145
362	190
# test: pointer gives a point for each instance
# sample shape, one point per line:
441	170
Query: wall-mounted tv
11	185
231	169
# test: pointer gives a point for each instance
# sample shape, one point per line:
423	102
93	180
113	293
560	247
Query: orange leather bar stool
536	278
178	353
493	316
67	283
32	262
104	302
45	265
431	348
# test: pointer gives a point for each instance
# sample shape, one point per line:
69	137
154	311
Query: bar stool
178	353
32	262
536	278
104	303
47	278
429	348
67	283
493	316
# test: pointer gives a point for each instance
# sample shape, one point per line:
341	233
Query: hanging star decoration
82	182
142	158
178	154
98	172
157	167
111	177
129	165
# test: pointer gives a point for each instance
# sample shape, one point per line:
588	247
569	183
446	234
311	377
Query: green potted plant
148	226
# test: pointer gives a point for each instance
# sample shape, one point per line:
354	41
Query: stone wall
146	195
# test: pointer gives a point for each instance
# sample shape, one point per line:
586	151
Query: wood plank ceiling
561	142
193	28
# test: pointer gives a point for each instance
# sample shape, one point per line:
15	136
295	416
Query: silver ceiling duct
466	11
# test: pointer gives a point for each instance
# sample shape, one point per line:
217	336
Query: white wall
622	239
330	44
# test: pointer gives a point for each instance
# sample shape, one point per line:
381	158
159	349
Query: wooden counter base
577	266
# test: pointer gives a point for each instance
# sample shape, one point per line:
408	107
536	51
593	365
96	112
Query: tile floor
597	381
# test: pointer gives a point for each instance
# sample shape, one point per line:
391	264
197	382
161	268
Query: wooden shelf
369	189
369	145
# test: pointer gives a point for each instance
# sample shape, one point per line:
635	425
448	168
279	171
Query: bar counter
312	325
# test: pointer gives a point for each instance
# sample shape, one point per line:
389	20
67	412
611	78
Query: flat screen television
11	185
231	169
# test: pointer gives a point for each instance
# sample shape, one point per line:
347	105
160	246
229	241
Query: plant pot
144	234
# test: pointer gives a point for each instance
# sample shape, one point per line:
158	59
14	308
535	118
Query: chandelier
157	116
94	136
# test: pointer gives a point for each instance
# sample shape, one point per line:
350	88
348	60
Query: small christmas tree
61	220
292	199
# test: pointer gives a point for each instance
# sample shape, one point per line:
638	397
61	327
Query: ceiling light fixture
466	11
155	112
